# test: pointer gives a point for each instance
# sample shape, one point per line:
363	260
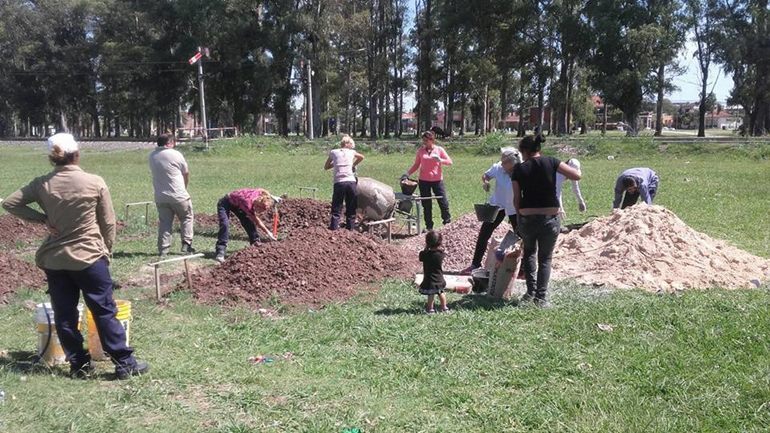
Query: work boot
125	372
187	248
542	303
82	371
220	257
526	298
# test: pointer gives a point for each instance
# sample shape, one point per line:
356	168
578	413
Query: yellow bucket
48	345
94	344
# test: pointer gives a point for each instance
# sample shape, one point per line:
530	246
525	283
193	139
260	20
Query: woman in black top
537	207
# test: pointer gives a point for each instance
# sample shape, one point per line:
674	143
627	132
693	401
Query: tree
702	23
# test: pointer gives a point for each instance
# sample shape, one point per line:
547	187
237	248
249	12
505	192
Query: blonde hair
264	201
347	141
57	156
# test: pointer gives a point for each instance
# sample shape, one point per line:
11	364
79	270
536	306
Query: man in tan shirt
77	208
170	176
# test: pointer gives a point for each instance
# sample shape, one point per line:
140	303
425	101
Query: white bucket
48	346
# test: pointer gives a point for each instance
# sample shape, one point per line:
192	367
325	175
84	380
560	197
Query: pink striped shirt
244	198
430	169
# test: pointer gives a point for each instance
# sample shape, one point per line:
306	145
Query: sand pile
313	266
14	230
459	242
651	248
293	213
18	274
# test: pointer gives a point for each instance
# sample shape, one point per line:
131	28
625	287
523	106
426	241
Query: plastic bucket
408	186
94	344
48	346
486	212
480	279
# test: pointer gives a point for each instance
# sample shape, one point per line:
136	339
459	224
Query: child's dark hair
433	239
531	143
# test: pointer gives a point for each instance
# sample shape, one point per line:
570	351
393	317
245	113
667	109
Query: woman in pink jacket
429	160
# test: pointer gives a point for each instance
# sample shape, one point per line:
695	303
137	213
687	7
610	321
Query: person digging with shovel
246	204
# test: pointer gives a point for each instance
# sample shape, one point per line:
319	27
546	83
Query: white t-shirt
342	163
503	193
560	179
168	167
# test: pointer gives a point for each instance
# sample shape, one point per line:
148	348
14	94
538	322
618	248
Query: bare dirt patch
18	274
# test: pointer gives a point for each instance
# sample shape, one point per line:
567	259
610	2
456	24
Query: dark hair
628	182
531	143
164	139
59	157
430	135
433	239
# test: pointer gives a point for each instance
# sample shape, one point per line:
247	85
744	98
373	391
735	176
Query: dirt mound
651	248
293	214
13	230
459	241
313	266
18	274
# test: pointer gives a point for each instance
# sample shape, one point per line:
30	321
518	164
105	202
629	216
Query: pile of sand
651	248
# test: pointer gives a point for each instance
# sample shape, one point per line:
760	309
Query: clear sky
689	83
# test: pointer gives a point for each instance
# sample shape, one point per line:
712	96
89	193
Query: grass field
698	361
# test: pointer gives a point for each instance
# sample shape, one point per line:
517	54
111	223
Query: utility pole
205	130
309	101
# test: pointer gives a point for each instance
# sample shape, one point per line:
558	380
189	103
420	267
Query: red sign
195	58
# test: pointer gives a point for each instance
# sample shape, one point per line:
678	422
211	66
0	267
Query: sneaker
220	257
123	373
446	310
469	270
447	221
526	298
83	371
542	303
187	249
163	255
430	311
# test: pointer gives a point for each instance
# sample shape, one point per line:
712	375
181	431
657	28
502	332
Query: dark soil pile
18	274
13	230
313	266
293	214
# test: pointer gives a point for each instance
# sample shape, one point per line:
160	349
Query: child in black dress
433	282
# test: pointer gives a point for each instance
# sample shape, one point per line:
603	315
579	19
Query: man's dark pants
443	203
485	232
95	283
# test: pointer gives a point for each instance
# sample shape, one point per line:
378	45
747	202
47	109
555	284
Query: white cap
574	163
66	142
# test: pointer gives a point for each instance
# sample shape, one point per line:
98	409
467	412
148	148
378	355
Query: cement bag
376	200
503	280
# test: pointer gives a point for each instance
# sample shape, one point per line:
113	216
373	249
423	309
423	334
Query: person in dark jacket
433	282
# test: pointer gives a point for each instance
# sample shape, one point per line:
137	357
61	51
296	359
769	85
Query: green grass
694	362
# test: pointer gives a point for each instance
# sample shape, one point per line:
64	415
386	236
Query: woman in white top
560	179
344	161
502	197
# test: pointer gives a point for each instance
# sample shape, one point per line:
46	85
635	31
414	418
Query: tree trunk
702	105
604	119
659	103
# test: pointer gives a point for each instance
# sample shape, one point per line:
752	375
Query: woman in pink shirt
246	204
430	159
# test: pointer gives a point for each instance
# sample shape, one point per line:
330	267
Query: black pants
630	199
224	207
443	203
95	282
347	192
485	232
538	234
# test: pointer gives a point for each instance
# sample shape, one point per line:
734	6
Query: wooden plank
176	259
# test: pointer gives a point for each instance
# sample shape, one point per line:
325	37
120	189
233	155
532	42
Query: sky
689	87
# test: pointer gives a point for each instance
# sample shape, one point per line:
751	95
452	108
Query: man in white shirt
170	177
560	179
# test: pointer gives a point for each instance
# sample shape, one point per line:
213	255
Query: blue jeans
95	282
224	207
347	192
538	234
